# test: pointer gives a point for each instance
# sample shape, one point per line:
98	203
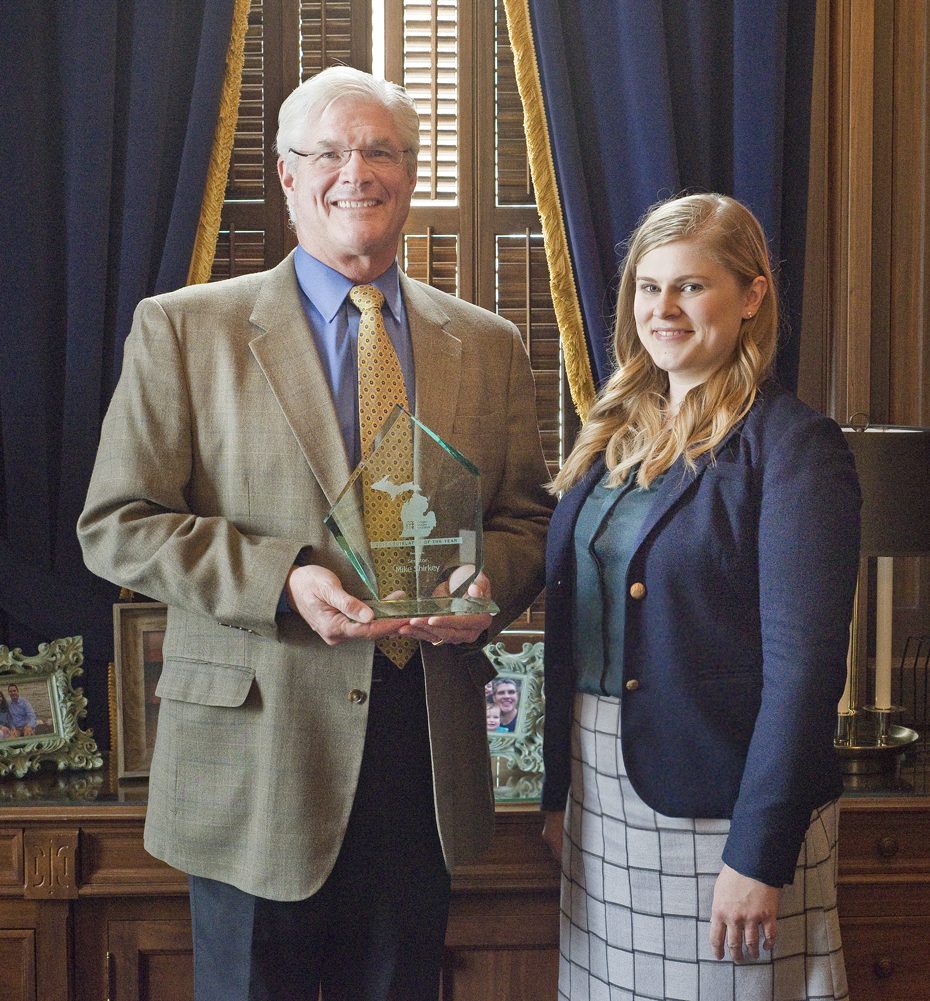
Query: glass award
409	520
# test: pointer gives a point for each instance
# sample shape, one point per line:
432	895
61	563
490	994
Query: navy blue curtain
647	98
107	117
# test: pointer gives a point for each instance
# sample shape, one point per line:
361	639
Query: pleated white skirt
637	889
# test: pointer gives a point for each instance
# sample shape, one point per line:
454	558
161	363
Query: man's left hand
439	629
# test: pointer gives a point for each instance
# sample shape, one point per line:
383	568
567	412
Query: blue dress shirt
21	713
334	320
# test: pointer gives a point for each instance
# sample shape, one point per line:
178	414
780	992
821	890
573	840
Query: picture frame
516	755
40	709
138	634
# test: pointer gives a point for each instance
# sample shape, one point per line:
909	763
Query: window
473	229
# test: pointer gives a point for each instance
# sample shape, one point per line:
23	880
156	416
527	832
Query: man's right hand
317	596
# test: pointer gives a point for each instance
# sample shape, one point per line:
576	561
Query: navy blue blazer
737	637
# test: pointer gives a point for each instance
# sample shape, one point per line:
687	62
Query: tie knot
366	296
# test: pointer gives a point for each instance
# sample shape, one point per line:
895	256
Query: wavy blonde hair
628	422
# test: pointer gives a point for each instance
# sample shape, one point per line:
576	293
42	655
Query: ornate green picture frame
516	743
40	709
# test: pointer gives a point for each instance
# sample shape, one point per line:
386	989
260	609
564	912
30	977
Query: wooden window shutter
286	41
240	247
333	33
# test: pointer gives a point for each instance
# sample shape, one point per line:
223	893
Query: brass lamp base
869	744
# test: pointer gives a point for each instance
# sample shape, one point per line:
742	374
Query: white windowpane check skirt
637	889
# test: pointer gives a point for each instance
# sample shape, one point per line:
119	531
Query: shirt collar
327	289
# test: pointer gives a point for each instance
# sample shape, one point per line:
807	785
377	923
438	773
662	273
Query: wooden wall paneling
867	296
837	169
859	23
815	368
879	278
909	391
900	348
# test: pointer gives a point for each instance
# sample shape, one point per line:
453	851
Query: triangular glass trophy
409	517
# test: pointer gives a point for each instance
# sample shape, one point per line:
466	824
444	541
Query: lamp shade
893	464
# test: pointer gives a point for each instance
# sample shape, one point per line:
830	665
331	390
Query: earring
749	316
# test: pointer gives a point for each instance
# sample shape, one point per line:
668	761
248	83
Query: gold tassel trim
211	208
542	168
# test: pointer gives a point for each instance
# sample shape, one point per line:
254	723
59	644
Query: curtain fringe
208	226
561	277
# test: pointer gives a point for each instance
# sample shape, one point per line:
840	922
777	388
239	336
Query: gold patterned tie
380	389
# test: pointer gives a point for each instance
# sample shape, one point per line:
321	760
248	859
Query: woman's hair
335	82
629	422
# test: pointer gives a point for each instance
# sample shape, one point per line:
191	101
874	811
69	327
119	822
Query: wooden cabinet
35	949
87	915
133	949
884	897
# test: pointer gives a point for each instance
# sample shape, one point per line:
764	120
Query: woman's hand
740	905
552	832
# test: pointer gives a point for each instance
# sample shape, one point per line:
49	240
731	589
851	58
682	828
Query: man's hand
317	596
439	629
740	905
552	832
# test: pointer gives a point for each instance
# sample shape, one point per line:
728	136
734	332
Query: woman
6	723
701	568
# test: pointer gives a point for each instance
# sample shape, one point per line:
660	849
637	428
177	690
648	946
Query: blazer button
638	591
631	685
357	696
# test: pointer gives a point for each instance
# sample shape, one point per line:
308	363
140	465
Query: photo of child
494	720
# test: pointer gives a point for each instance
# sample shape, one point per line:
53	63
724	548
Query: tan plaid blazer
219	456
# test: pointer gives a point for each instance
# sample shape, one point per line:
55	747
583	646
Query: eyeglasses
333	159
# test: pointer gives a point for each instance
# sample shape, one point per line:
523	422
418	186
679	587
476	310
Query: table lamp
893	464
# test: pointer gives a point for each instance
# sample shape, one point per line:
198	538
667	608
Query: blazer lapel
677	480
560	556
561	529
437	355
285	352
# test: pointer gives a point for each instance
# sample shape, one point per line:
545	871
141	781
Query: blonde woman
700	576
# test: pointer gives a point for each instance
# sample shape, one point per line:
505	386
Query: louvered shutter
240	246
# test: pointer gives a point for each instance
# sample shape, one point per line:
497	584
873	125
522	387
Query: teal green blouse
607	526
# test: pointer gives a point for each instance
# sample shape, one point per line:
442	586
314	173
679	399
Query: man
507	698
316	788
22	715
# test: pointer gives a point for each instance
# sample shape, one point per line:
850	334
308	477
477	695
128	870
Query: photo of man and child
503	704
24	713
